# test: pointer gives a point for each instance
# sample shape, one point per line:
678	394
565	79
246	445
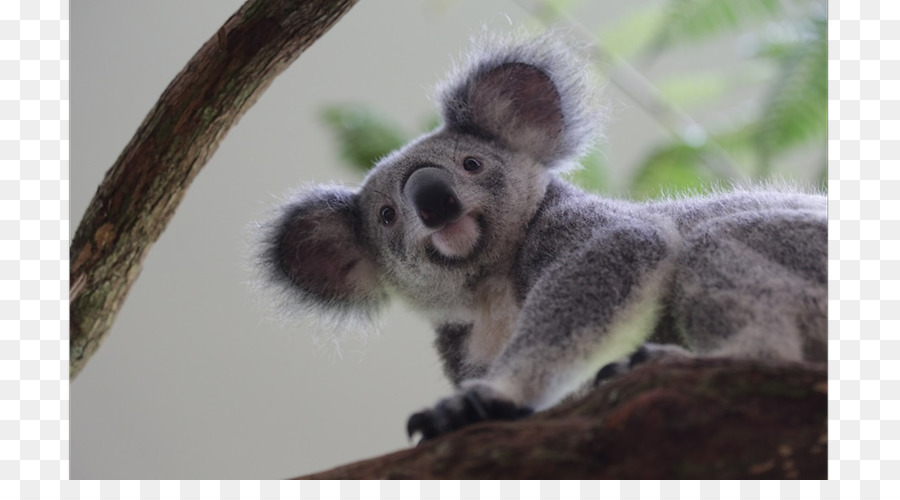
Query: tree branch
139	194
690	419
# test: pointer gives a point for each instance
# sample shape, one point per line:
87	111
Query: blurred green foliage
774	95
363	136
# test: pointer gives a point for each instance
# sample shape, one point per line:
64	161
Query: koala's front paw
464	408
643	354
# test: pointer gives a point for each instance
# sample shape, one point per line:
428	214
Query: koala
534	287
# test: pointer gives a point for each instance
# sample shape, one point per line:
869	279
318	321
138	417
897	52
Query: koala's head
452	207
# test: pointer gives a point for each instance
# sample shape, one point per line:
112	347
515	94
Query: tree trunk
140	192
691	419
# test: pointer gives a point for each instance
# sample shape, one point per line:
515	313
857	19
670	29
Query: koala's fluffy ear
315	251
534	97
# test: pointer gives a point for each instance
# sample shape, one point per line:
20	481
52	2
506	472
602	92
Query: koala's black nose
429	191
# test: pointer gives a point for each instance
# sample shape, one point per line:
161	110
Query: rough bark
141	190
694	419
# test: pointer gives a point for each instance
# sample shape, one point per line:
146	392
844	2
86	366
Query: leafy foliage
787	66
363	137
796	109
769	102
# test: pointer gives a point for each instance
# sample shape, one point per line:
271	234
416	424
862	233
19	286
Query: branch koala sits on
534	287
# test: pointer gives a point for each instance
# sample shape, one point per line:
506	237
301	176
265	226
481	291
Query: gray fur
576	89
534	285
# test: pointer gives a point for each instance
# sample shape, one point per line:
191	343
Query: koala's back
744	272
569	217
750	278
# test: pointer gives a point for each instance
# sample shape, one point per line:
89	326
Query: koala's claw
459	411
643	354
623	365
423	423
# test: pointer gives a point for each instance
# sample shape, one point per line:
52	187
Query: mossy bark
141	190
692	419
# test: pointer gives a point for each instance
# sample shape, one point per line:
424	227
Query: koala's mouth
458	239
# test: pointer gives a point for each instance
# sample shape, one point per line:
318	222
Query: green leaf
672	169
363	137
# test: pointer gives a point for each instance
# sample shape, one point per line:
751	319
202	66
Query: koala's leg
595	306
755	286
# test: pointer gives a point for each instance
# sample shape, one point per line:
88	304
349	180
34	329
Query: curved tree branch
139	194
688	419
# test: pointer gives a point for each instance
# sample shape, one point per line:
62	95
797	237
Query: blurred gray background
196	380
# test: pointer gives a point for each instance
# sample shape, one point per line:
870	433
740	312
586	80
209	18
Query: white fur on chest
493	317
492	311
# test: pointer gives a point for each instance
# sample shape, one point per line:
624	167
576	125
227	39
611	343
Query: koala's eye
471	164
387	215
